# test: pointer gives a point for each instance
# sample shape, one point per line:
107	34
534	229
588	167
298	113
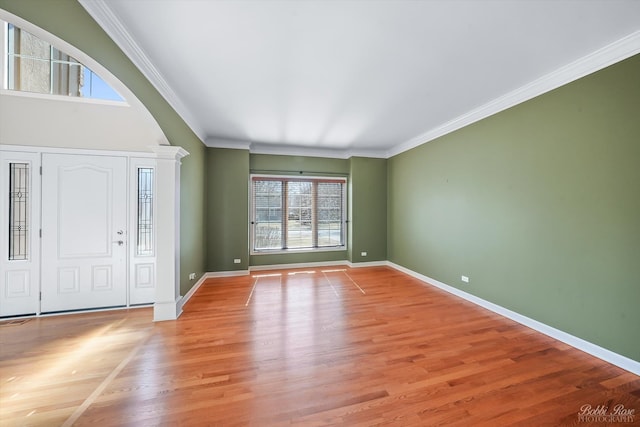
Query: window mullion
4	59
314	214
51	78
17	35
285	216
344	213
252	219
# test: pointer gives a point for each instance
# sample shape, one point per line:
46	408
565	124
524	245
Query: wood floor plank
330	346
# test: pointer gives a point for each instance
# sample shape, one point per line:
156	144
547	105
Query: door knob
119	242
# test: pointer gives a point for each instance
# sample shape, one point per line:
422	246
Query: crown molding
111	24
376	154
171	152
235	144
595	61
289	150
296	150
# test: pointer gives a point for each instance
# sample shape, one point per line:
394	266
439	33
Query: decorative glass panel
145	211
18	211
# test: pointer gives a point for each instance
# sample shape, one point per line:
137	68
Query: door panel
19	233
84	219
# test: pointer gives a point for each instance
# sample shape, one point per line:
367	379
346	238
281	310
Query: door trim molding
157	154
81	151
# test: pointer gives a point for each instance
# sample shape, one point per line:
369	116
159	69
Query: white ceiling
341	78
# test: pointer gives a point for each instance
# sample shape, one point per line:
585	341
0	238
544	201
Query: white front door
84	232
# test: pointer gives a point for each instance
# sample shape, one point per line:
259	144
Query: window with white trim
291	213
34	65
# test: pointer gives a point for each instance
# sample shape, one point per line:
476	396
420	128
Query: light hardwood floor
313	347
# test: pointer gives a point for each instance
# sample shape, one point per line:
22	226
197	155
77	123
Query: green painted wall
68	20
227	209
193	245
368	209
539	205
228	206
297	258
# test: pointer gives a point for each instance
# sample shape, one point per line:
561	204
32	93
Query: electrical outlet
363	254
465	279
237	261
192	276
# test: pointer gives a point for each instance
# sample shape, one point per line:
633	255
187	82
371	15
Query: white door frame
142	264
167	304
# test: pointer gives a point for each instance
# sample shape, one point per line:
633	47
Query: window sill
298	251
62	98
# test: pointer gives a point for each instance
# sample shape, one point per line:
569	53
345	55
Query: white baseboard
82	311
167	310
203	279
368	264
590	348
232	273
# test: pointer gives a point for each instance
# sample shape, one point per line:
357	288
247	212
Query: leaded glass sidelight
145	212
18	211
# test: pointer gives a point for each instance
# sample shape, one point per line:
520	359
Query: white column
167	217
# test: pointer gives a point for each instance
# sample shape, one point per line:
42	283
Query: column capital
170	152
